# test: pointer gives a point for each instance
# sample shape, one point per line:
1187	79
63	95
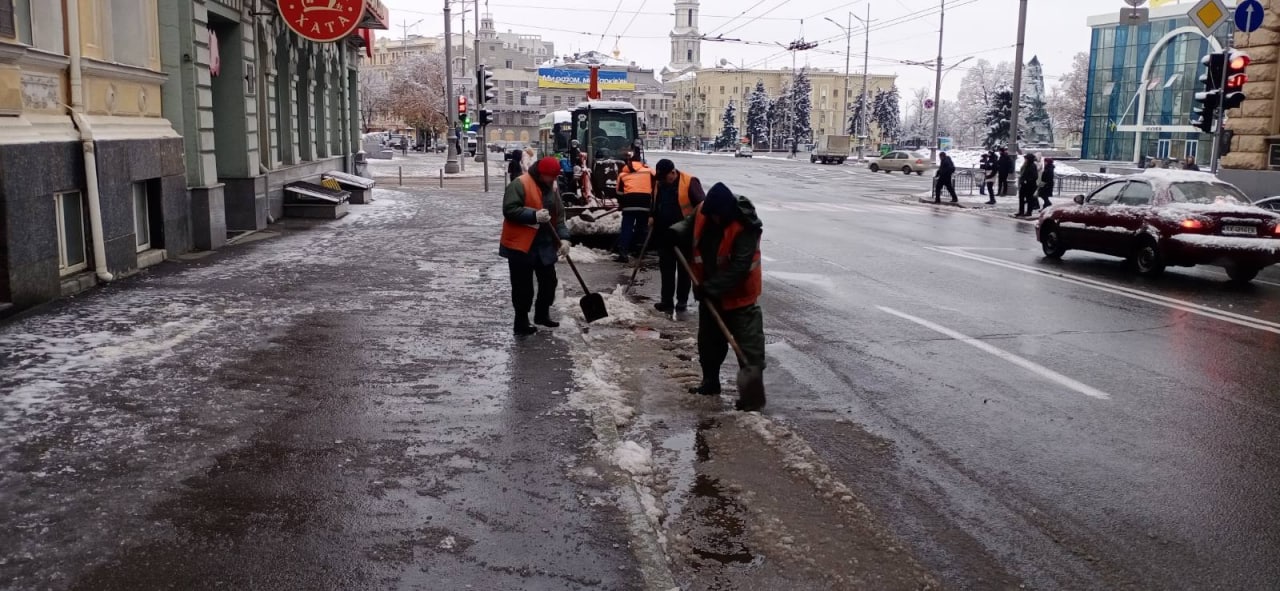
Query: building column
305	101
320	106
286	104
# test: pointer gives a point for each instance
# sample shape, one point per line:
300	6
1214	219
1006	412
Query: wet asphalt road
1019	421
336	406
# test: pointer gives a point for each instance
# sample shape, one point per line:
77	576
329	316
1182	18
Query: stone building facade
132	131
1254	160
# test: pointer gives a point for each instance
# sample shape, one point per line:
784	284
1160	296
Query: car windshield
1206	193
610	133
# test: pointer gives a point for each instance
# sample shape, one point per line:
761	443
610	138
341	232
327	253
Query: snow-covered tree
758	114
977	89
887	115
779	117
375	96
917	120
859	121
729	128
802	104
1066	102
998	117
417	92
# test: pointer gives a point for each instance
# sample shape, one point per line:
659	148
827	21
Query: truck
830	149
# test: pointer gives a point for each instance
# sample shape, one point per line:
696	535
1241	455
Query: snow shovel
750	378
639	261
590	219
592	304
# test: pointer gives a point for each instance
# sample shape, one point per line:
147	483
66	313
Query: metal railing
968	179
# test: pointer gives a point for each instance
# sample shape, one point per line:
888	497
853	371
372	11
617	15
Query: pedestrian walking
982	167
1005	166
1045	187
1190	164
723	236
1028	177
532	226
944	178
514	168
678	193
989	177
635	197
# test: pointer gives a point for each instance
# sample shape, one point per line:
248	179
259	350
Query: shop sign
323	21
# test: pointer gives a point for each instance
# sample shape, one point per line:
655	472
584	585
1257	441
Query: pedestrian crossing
829	207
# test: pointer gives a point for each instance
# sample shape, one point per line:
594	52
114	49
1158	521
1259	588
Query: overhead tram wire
605	31
757	17
633	19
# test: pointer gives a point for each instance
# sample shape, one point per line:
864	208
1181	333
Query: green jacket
543	250
718	281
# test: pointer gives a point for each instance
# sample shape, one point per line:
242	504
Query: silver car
907	162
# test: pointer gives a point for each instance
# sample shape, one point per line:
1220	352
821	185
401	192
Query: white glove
564	249
543	216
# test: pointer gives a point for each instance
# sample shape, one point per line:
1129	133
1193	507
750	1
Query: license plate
1240	230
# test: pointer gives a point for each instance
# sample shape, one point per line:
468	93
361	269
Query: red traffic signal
462	105
1236	63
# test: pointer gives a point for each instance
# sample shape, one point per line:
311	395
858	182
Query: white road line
1022	362
768	259
1159	300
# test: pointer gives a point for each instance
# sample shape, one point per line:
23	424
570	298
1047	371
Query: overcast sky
900	30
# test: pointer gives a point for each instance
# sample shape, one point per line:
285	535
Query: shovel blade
751	387
593	307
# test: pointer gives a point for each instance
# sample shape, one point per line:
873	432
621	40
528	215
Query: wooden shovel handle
555	236
711	307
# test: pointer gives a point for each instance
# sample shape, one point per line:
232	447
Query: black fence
968	179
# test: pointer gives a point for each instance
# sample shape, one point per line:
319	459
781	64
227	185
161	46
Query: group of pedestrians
1035	180
717	232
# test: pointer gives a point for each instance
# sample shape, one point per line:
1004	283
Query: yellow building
1254	161
136	130
702	95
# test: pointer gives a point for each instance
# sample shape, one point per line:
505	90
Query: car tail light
1190	224
1276	231
919	161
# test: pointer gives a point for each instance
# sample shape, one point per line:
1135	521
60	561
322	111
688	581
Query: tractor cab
606	132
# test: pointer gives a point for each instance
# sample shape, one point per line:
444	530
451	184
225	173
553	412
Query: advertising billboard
570	78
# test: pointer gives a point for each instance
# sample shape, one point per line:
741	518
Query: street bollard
401	172
441	178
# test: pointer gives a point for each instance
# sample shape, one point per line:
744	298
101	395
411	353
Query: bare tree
417	92
375	96
977	90
1066	100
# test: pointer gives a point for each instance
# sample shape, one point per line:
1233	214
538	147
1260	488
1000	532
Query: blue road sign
1249	15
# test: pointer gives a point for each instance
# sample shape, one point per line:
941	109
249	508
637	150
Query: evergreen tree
729	129
779	115
998	117
859	124
802	105
887	115
1039	126
758	114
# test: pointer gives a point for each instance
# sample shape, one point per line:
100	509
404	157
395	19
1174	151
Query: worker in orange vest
530	208
723	236
635	197
676	194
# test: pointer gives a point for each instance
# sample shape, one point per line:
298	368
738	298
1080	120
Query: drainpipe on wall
86	140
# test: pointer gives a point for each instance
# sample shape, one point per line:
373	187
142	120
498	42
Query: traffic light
462	108
1235	79
1205	113
485	116
486	88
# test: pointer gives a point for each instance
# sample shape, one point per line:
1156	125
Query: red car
1166	217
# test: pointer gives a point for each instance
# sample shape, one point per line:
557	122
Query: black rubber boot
705	389
544	319
522	327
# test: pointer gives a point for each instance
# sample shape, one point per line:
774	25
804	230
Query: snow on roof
1163	177
615	105
587	58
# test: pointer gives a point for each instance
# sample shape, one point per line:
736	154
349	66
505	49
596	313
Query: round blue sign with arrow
1249	15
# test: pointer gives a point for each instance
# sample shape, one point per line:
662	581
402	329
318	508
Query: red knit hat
549	166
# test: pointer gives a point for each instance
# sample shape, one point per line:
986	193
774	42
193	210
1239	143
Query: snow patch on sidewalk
622	311
604	225
633	458
582	255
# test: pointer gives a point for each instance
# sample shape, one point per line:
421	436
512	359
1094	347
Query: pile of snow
584	255
634	458
611	224
622	311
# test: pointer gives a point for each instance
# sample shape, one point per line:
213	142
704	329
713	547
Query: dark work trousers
675	280
1003	178
747	327
635	224
523	271
991	191
941	182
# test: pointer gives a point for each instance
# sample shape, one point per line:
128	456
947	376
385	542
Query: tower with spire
1039	126
686	41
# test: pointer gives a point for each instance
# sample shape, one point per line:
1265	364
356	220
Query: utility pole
462	162
937	84
404	27
866	58
482	150
1017	77
451	163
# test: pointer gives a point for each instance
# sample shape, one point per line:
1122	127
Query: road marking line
768	259
1022	362
849	208
1159	300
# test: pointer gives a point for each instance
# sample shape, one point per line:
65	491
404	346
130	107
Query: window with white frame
1191	150
1162	149
38	23
72	255
131	38
141	217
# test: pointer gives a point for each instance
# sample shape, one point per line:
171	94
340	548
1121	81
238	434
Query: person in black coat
989	177
1005	166
514	169
1028	178
1045	188
945	178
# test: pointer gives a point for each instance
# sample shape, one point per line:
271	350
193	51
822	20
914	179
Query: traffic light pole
1222	105
451	164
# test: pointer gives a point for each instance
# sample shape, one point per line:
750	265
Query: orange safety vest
686	206
520	236
743	294
638	181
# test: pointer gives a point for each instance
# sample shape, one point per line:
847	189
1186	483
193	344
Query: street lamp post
848	44
937	84
451	163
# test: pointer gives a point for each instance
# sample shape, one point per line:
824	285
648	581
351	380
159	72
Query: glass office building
1130	115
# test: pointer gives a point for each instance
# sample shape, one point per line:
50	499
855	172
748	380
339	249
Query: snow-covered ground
973	159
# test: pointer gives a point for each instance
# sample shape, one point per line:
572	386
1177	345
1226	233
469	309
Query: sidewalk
417	165
337	405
